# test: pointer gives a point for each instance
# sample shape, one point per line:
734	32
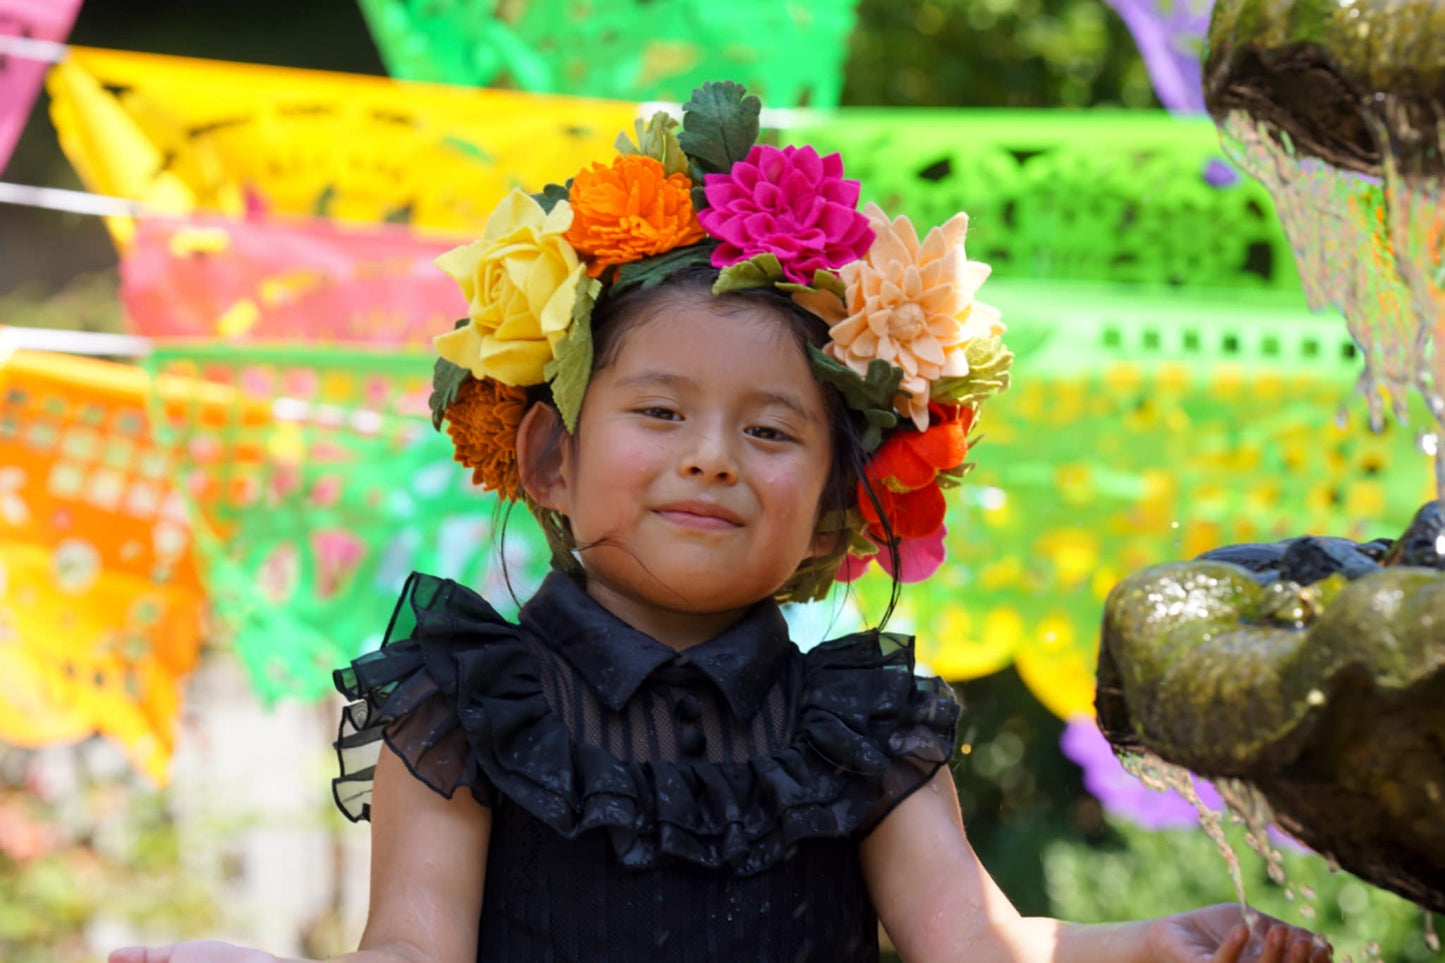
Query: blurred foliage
1138	874
84	844
1017	791
87	302
994	53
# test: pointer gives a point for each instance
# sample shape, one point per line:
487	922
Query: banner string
28	48
71	202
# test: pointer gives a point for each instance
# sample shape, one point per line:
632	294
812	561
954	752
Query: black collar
615	659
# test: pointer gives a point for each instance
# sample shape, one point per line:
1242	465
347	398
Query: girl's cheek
636	458
787	485
623	455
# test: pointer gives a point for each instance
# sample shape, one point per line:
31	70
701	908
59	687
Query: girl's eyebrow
664	378
786	401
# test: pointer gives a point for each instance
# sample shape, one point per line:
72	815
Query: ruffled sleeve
404	695
866	712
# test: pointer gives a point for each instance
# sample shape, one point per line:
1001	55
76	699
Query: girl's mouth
703	516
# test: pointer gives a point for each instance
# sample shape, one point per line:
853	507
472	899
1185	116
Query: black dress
650	804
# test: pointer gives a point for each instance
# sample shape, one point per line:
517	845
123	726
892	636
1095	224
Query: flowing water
1163	776
1368	246
1245	804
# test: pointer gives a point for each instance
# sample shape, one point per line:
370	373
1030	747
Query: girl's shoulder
406	695
458	692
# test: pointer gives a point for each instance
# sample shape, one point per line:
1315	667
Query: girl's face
701	454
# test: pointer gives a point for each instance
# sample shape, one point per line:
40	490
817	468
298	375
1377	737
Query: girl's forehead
678	327
736	346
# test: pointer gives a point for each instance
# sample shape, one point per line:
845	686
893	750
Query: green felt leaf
822	281
657	140
953	477
719	125
699	189
761	271
871	396
988	374
571	366
552	193
446	380
649	272
825	280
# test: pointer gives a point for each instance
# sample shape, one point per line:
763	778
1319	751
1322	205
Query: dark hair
614	316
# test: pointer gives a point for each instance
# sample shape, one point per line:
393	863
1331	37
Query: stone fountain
1307	677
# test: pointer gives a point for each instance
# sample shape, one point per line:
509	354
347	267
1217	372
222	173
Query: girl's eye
769	434
665	414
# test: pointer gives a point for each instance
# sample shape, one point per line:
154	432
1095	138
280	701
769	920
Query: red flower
903	473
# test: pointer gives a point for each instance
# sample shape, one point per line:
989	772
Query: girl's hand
1219	934
204	951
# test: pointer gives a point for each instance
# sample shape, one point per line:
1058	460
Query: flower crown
910	350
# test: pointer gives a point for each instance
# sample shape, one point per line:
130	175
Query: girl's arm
428	863
939	904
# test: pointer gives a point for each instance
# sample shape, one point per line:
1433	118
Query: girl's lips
701	516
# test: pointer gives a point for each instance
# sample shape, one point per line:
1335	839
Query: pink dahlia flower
790	203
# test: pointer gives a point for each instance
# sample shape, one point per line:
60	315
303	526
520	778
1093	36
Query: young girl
710	412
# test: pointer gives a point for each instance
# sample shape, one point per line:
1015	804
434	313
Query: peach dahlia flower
912	304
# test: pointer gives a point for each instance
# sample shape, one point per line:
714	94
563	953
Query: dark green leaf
699	191
652	271
571	366
553	193
719	125
871	396
446	380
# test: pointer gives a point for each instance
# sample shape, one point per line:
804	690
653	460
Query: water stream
1370	247
1245	804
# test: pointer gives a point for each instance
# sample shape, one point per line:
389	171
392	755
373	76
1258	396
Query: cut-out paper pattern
791	54
20	77
187	135
291	279
304	561
1046	201
101	604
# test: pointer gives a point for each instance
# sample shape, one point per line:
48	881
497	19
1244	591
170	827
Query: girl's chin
683	585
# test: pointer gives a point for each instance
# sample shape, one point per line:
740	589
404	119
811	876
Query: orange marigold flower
629	211
482	423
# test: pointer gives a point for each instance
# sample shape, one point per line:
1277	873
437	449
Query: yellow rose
521	280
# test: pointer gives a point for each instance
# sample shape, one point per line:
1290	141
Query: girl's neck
675	629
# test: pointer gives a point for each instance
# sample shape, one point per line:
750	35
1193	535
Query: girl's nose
709	458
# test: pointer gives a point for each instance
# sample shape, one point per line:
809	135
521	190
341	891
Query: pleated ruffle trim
456	692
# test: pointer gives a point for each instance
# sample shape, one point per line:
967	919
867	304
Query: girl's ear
543	457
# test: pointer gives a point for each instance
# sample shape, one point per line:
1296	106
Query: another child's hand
1219	934
204	951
